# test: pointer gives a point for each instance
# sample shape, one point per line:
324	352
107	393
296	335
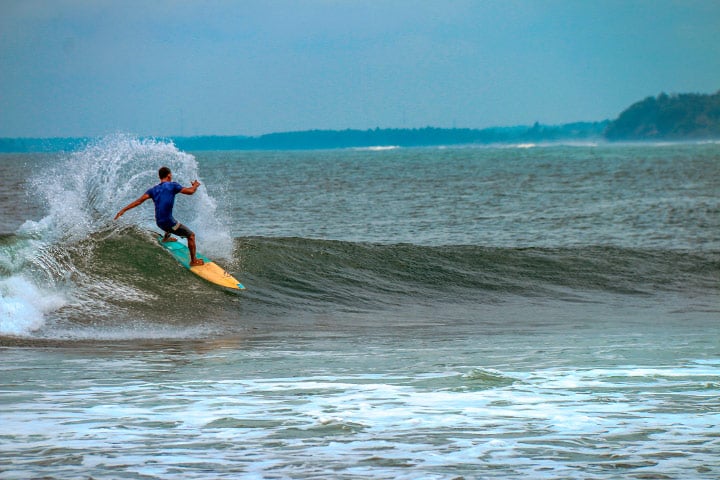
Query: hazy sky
245	67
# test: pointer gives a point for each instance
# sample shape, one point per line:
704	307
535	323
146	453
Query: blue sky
165	67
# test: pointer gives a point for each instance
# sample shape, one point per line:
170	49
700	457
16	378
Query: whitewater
511	311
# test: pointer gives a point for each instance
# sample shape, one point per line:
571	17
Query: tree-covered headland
687	116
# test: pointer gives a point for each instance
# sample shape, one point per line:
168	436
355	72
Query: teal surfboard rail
181	253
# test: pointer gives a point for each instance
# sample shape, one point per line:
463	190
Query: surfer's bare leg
168	238
191	246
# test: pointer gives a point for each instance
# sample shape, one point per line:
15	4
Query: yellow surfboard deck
210	271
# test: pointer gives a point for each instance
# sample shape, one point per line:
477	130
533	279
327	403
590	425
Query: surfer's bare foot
197	262
170	239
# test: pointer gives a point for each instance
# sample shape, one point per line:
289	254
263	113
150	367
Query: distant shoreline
335	139
677	117
332	140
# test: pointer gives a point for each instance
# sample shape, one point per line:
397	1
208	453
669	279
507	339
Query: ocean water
527	311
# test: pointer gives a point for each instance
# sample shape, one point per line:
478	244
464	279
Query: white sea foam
377	148
23	306
374	425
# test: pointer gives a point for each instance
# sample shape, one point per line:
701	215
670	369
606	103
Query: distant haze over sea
677	117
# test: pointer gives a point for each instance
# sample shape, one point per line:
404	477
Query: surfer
163	195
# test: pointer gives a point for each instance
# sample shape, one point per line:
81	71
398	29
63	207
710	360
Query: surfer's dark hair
164	172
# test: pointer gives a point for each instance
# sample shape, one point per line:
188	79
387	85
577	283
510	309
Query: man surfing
163	195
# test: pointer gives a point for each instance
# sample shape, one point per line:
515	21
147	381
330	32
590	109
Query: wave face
361	273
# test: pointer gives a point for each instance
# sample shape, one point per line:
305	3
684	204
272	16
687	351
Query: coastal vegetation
688	116
402	137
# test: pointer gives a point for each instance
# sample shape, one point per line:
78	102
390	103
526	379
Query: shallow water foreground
604	402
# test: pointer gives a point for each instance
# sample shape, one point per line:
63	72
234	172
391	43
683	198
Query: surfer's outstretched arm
192	189
134	204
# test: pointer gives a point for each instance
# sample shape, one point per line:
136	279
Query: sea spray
48	266
84	191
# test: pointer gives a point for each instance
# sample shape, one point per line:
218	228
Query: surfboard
210	271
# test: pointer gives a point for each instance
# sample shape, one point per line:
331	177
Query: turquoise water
506	312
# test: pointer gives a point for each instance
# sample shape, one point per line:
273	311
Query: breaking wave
76	273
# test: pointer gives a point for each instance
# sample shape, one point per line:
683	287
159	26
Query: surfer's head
164	172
